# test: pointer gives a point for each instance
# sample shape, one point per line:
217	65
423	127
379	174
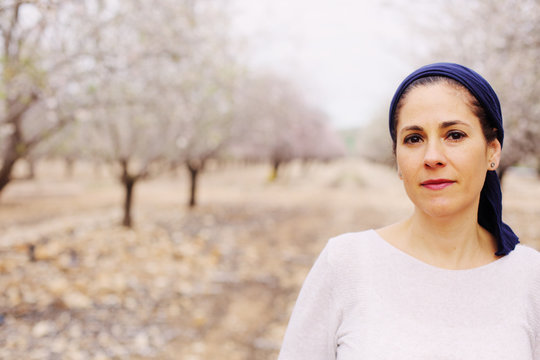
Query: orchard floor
215	282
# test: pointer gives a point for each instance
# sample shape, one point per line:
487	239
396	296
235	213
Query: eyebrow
411	128
443	125
450	123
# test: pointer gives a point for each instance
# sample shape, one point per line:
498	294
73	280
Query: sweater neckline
413	260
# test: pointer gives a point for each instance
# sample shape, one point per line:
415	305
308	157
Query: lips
437	184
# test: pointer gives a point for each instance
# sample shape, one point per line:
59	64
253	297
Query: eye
455	135
412	139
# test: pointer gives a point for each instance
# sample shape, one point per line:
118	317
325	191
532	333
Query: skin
439	137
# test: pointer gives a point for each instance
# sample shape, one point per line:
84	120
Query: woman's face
441	152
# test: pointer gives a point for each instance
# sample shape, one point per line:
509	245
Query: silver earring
492	165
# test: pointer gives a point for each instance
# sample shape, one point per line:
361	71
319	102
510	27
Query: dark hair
490	133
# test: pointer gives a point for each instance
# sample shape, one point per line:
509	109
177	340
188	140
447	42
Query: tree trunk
193	176
7	167
129	182
14	151
275	169
31	169
128	201
69	163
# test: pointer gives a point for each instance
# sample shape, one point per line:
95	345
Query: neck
454	242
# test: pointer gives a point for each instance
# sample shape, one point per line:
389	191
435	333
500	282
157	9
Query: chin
439	209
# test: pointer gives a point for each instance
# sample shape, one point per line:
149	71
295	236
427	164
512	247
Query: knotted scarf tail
490	215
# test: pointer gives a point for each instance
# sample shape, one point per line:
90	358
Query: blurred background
169	170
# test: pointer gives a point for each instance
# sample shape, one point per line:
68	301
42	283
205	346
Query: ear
493	154
399	174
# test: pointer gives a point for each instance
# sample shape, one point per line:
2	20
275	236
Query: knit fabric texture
365	299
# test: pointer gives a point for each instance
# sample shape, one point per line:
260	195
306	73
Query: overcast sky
348	55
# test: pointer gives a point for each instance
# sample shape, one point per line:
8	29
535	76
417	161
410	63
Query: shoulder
351	246
527	258
526	264
524	268
349	265
529	252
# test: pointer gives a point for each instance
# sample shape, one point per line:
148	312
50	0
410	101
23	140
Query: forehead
436	102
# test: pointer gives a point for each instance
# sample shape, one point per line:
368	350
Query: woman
449	282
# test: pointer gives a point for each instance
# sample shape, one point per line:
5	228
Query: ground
214	282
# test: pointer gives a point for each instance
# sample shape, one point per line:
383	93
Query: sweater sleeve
536	350
534	288
311	333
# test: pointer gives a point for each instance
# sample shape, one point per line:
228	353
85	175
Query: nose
434	156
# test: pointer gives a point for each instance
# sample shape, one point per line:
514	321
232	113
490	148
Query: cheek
471	167
474	157
406	166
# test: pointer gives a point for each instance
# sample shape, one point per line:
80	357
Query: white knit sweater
365	299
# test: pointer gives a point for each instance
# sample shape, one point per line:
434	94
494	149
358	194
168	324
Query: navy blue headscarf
490	207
